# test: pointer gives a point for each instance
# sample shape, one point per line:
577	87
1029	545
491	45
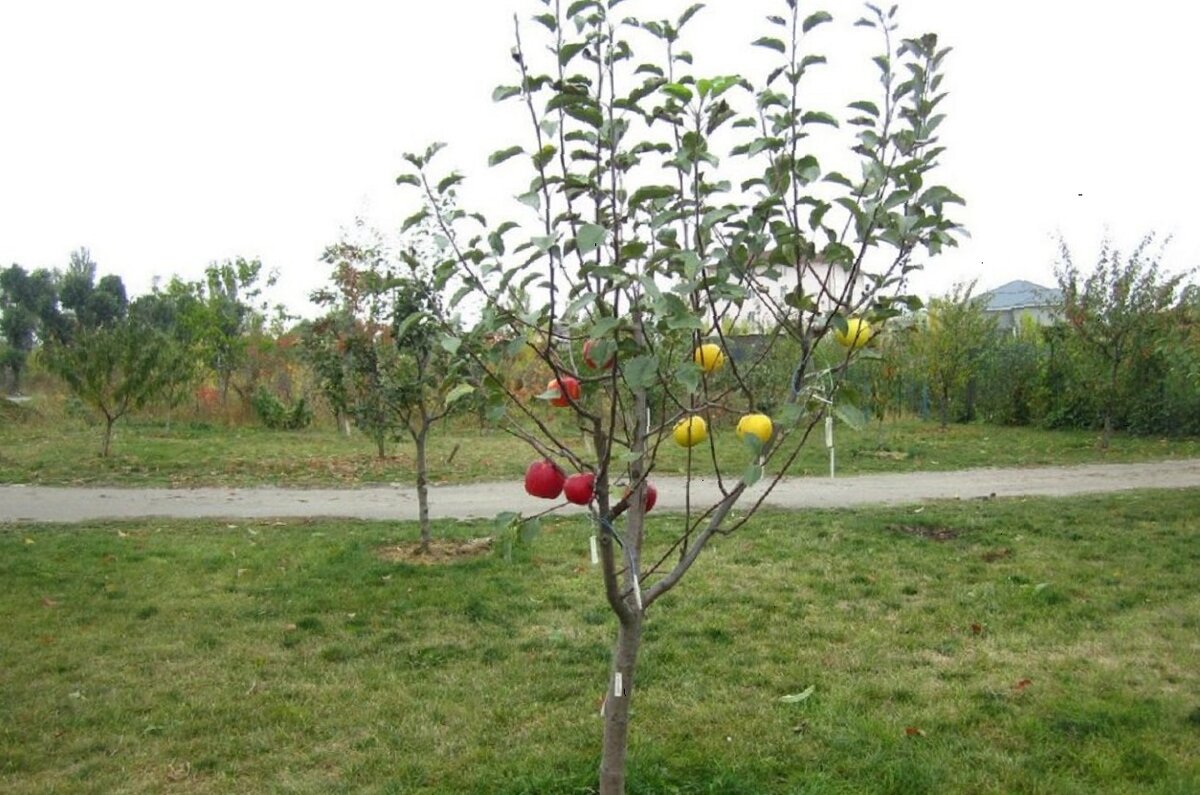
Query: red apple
565	385
587	357
580	488
651	497
544	479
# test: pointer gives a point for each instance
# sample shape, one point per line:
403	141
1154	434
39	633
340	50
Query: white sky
164	136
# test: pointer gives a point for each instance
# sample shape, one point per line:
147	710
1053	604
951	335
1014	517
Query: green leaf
458	393
578	6
752	443
797	698
451	344
414	219
641	371
408	179
753	473
530	528
770	43
650	192
499	156
686	15
501	93
678	91
789	414
865	107
569	51
688	376
851	415
603	326
819	18
449	182
818	117
590	237
505	520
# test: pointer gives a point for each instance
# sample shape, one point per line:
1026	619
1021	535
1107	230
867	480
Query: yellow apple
756	425
710	357
690	431
858	333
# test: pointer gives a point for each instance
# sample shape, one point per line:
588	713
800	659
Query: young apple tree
667	201
378	349
1117	307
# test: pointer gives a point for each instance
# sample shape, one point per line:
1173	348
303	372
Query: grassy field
998	646
64	451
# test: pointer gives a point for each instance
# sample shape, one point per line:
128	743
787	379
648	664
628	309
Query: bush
278	416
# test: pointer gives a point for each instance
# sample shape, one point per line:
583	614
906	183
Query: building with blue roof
1010	303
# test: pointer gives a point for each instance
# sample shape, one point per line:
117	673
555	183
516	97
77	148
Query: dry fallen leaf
913	731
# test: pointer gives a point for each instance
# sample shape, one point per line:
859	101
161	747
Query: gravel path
53	504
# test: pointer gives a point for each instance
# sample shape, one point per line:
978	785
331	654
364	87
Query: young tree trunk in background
422	488
379	442
945	407
108	432
1109	407
616	707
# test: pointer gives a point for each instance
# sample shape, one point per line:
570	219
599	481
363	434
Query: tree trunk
422	489
379	442
616	707
108	432
945	407
1109	406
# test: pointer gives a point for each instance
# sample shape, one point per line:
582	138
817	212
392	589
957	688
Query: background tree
90	303
351	347
107	357
230	313
379	350
1116	309
28	311
953	343
646	239
172	313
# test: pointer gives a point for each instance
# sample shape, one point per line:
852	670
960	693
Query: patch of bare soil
923	531
441	551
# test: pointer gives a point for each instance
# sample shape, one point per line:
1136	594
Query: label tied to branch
618	685
829	431
595	550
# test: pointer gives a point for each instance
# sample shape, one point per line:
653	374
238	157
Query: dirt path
52	504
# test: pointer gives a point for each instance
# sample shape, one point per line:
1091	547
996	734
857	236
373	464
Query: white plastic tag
595	550
829	431
618	685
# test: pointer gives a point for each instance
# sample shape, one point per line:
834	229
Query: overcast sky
164	136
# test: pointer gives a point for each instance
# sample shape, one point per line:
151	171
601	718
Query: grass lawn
993	646
146	453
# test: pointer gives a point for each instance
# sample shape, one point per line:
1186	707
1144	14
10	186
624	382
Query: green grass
1039	646
64	451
